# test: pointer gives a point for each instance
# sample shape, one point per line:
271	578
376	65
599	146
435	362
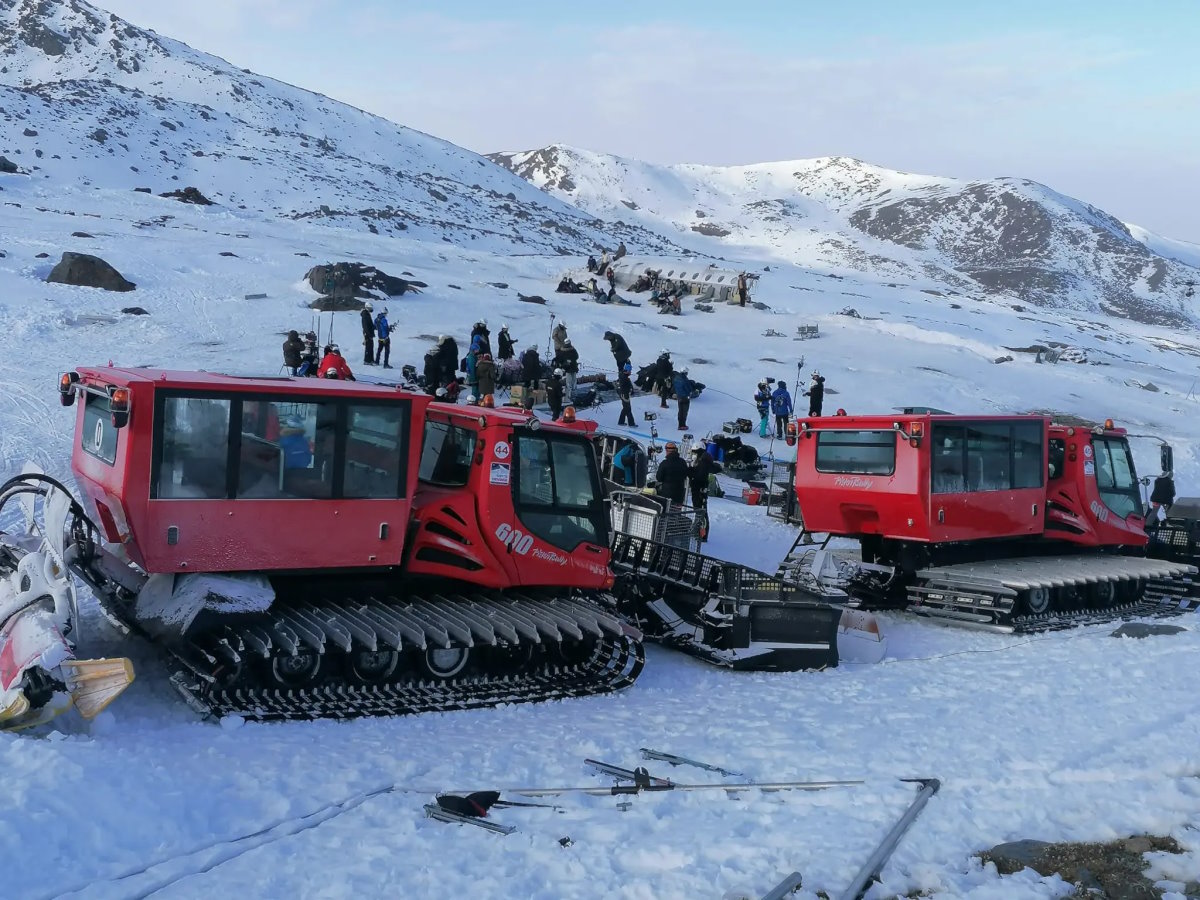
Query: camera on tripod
649	416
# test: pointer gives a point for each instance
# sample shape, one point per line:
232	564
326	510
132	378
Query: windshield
1115	475
556	488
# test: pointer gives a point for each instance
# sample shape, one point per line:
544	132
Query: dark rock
336	303
42	256
630	204
84	270
30	132
851	312
455	286
1002	359
1016	855
531	298
134	311
7	166
227	253
99	135
701	214
498	284
353	279
301	253
143	190
437	195
189	195
1146	629
709	230
3	254
82	234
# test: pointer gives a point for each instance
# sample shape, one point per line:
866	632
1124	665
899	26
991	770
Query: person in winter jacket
742	289
531	368
485	376
448	353
611	276
334	365
815	394
433	371
620	349
664	372
559	335
625	463
505	343
672	475
703	467
481	331
554	394
781	406
383	328
471	361
567	359
625	392
683	387
762	400
293	352
591	263
368	330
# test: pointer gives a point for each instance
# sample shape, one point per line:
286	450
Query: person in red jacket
334	365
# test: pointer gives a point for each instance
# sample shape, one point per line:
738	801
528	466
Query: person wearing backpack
781	406
383	329
625	392
762	401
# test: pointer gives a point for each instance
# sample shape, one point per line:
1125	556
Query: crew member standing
368	328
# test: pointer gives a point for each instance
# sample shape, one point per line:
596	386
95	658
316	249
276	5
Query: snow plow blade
860	639
95	683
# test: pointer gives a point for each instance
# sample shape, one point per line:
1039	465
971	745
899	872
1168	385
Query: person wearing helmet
480	330
815	394
368	330
781	406
625	392
567	359
559	335
297	452
683	387
504	341
554	394
671	476
762	401
333	360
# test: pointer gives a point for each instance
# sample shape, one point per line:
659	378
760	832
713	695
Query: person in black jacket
625	392
698	473
293	352
620	349
567	359
815	394
433	371
481	330
368	329
448	354
672	475
531	368
554	394
505	343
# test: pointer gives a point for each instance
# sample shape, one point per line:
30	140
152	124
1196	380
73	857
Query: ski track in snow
1067	736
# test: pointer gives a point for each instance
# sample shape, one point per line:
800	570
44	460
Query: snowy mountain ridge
90	98
1006	238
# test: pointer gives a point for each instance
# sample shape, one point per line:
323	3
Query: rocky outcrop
355	281
189	195
84	270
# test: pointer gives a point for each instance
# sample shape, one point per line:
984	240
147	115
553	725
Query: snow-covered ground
1069	736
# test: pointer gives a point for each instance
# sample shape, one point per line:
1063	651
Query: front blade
95	683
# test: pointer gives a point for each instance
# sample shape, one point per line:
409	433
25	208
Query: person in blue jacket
383	333
626	462
781	406
297	453
683	387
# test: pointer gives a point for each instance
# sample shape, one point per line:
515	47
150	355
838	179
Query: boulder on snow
1145	629
82	234
531	298
7	166
189	195
350	280
85	270
1014	856
134	311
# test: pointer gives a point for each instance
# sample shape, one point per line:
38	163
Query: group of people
674	475
300	358
779	403
377	337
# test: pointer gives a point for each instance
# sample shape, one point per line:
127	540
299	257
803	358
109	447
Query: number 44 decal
517	541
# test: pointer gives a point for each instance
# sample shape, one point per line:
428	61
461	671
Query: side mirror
1166	458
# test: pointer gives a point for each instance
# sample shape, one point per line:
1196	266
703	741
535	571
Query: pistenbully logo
853	481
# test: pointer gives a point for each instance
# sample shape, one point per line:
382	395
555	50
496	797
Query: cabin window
557	491
286	450
98	437
193	452
986	456
446	454
376	452
856	452
1116	477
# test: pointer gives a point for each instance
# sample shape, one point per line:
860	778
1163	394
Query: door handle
941	515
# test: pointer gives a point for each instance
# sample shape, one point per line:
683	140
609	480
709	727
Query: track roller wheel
373	666
1037	600
296	670
1103	594
1130	590
446	662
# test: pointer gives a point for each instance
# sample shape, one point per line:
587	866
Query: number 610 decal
517	541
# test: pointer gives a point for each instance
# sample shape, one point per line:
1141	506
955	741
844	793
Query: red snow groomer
320	548
1010	522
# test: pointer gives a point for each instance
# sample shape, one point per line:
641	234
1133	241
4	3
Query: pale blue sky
1099	99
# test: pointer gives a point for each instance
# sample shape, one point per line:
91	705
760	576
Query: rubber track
615	664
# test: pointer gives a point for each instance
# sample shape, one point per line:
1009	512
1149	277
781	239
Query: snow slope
1073	735
1004	239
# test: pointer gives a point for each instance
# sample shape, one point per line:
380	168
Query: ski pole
874	864
619	789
